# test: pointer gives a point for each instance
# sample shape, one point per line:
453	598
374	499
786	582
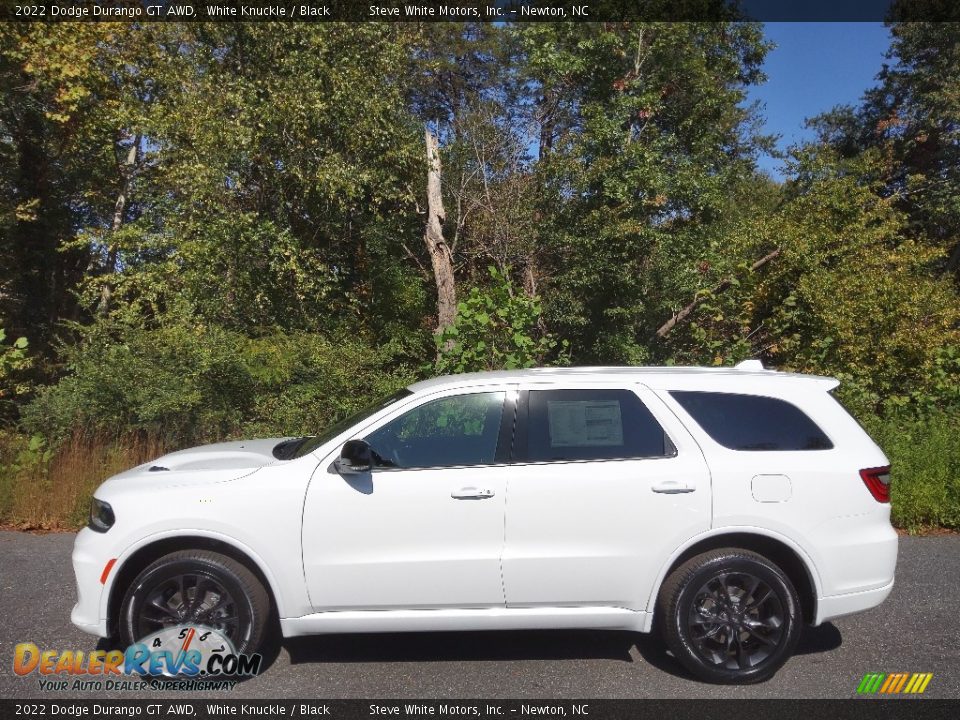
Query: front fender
276	588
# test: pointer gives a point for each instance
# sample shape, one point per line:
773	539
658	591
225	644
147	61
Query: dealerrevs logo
894	683
182	652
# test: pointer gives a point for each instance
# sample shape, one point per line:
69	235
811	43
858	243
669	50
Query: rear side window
752	422
592	425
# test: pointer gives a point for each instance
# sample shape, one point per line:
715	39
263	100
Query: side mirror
355	457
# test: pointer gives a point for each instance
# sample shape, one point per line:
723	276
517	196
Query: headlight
101	516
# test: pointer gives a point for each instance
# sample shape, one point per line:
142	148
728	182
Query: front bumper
88	564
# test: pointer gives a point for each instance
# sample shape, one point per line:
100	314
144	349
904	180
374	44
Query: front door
424	529
607	483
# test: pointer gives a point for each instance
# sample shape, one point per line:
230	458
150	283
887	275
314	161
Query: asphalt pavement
916	630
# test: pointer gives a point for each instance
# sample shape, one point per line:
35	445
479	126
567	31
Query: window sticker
585	423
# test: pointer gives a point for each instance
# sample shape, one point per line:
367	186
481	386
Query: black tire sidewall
679	612
168	567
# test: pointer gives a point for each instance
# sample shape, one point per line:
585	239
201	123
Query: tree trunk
440	255
530	276
126	170
546	116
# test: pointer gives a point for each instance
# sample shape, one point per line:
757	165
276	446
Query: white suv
726	507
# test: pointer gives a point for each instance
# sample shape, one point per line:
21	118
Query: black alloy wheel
735	621
730	616
197	598
196	587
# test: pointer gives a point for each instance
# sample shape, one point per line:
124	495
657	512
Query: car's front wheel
730	616
196	587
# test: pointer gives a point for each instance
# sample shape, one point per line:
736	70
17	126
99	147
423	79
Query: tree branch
679	317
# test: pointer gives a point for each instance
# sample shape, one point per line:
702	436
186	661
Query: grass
925	460
42	489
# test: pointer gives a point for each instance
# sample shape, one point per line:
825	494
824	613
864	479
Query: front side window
565	425
449	431
752	422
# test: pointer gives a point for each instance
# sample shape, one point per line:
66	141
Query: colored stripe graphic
894	683
918	683
870	683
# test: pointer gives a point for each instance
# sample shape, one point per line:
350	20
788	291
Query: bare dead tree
127	171
440	255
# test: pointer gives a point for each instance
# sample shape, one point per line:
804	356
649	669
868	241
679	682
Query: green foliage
272	170
305	382
14	362
910	118
11	446
850	293
854	297
194	383
20	455
496	329
941	391
648	135
176	381
925	462
216	230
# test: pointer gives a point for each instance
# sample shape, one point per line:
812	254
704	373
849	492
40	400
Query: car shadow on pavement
494	645
819	639
505	646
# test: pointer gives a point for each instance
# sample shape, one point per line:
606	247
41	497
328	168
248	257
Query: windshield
309	444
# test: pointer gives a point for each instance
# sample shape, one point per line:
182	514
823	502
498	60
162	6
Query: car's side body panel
552	544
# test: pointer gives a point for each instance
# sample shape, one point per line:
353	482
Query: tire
730	616
233	600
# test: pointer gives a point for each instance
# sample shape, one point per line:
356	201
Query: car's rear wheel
196	587
730	616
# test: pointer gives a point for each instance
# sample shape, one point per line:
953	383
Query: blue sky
814	67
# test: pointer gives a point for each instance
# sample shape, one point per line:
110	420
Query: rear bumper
857	564
855	557
836	606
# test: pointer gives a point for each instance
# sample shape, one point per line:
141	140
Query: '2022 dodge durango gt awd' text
724	507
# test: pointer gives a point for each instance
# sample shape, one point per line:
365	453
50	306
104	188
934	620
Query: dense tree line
214	229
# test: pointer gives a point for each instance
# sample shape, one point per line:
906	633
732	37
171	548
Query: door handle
472	493
672	487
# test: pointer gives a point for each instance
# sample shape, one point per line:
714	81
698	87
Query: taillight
877	481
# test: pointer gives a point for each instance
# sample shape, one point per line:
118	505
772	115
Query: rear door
606	484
